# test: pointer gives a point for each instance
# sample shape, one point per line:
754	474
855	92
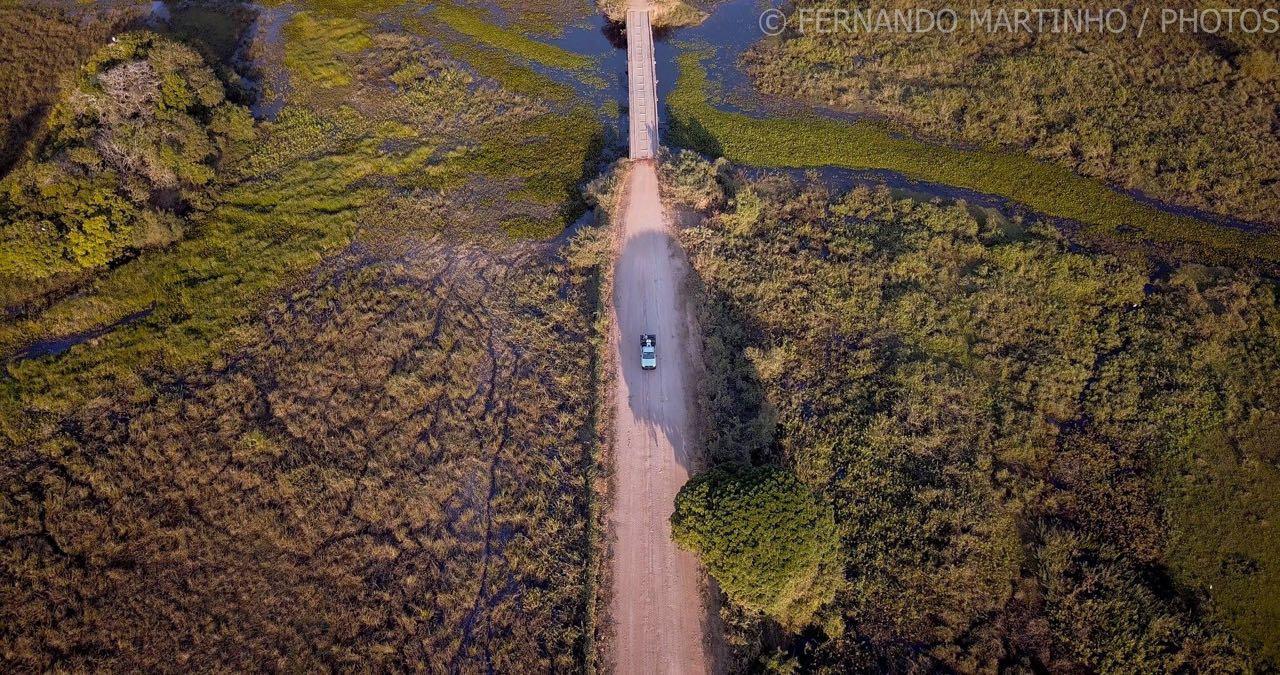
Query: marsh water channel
731	28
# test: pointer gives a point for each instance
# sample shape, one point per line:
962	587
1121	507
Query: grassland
505	52
1039	457
363	482
356	402
544	17
315	45
811	141
502	68
1185	119
472	23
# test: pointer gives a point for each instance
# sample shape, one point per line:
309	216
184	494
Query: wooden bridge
642	85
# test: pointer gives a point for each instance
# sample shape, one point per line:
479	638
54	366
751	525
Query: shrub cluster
134	146
689	180
665	13
1037	455
768	541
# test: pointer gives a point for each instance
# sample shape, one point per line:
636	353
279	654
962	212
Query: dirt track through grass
657	605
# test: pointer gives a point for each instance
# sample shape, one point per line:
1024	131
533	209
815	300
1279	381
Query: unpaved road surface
658	612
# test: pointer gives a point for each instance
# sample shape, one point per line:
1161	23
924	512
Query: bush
133	149
1036	454
1110	621
691	180
764	536
665	13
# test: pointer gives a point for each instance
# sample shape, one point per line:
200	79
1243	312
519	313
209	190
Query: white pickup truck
648	352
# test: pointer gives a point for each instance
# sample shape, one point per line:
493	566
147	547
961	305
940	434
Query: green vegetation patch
1221	484
315	47
1221	506
1035	454
812	141
495	65
549	157
472	23
342	8
441	150
765	537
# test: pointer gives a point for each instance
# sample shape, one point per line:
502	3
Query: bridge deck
641	85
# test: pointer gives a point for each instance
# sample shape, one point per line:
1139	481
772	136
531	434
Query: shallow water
266	36
731	28
158	12
56	346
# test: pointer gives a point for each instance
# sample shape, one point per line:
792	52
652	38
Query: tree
768	540
134	147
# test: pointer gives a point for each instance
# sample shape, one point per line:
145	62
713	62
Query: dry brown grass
356	429
394	472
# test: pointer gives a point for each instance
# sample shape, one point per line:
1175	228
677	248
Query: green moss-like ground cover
315	44
472	23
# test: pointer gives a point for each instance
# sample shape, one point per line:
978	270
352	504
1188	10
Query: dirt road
657	588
